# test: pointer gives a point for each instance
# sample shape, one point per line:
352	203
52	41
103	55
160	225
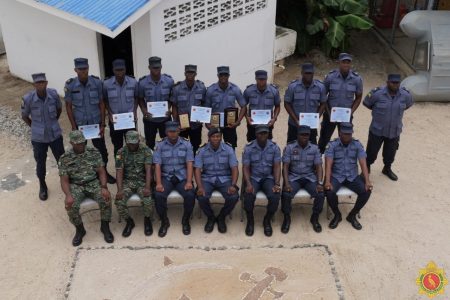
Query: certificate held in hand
123	121
309	119
158	109
340	114
90	132
201	114
261	116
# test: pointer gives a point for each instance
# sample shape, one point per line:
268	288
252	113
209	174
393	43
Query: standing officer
120	95
154	88
261	166
302	168
85	106
221	95
344	87
388	105
261	96
186	94
174	161
134	176
41	109
341	169
216	168
307	95
82	174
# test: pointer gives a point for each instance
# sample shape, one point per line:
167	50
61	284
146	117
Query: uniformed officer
154	87
120	95
222	95
85	105
261	96
388	105
344	87
305	95
302	168
261	167
82	174
341	169
174	161
186	94
41	109
134	176
216	168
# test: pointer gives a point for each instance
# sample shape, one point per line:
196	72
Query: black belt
84	183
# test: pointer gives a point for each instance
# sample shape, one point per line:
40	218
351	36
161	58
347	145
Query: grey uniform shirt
153	91
216	164
120	98
261	160
43	114
173	157
305	99
387	111
85	99
302	161
219	99
342	91
345	159
184	98
267	99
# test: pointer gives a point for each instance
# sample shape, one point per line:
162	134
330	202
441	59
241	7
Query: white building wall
39	42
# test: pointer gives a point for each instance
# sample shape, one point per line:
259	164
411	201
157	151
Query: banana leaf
332	3
354	22
315	27
353	6
335	33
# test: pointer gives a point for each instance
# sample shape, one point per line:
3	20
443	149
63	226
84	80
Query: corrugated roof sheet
109	13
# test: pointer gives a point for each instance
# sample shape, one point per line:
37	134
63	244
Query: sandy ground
405	225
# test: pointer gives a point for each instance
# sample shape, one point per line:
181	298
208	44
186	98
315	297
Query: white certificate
123	121
261	116
340	114
200	114
90	131
158	109
309	119
222	119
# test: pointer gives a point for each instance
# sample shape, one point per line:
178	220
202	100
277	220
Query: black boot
107	235
388	172
148	229
209	226
335	222
315	223
110	178
267	224
250	228
79	234
43	190
351	218
286	223
128	228
186	227
221	225
164	226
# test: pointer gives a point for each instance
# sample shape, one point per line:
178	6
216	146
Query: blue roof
109	13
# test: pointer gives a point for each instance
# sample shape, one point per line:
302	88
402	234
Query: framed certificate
201	114
158	109
215	120
90	131
184	121
309	119
231	116
261	116
340	114
123	121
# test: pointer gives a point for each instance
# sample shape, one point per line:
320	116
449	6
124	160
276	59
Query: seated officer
83	175
302	168
341	169
261	166
216	168
134	176
173	159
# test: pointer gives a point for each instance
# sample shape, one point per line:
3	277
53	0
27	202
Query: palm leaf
335	33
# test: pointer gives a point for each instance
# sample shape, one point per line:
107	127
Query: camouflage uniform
81	169
133	165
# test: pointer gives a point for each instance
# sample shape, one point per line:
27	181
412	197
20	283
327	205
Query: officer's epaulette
177	83
186	139
332	71
167	75
249	85
293	81
106	78
142	78
250	143
93	76
132	76
203	145
372	91
405	89
199	81
69	80
355	73
274	85
229	144
318	80
292	142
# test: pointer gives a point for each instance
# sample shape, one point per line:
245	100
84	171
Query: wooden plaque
231	116
184	121
215	120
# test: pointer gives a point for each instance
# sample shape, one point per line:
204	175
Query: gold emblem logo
431	280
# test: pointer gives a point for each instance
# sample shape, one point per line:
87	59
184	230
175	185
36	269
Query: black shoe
107	235
388	172
110	179
335	222
286	223
79	234
209	226
148	229
351	218
128	228
315	223
250	228
267	225
164	226
185	226
221	225
43	190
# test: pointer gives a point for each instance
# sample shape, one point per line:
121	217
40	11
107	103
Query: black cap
261	74
154	62
81	63
261	128
303	129
223	70
345	56
38	77
118	64
308	68
214	130
394	78
190	68
346	127
172	126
